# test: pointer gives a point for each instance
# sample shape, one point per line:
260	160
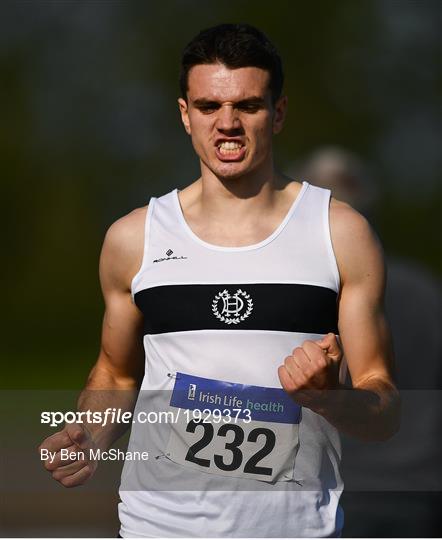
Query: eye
207	109
249	107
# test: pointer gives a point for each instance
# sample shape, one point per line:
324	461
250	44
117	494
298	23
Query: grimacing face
230	118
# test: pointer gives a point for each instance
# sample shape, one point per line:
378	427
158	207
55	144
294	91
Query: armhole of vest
328	240
147	223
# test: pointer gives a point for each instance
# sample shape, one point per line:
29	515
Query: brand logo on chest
232	308
168	257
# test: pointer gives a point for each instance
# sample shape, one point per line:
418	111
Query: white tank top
218	321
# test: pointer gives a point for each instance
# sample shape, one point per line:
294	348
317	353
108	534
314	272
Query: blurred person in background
393	489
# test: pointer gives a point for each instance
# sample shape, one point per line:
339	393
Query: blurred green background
90	130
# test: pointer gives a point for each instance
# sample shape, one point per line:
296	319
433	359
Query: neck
261	183
230	199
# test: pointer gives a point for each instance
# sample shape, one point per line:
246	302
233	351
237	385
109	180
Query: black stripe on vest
250	306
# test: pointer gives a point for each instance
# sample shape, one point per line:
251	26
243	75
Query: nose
228	118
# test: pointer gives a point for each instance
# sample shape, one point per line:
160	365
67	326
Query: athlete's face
230	118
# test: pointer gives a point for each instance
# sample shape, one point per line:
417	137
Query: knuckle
309	372
322	363
292	387
309	380
302	377
66	482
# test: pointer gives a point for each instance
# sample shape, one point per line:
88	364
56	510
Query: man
238	289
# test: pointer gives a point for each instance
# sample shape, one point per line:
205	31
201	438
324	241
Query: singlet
218	321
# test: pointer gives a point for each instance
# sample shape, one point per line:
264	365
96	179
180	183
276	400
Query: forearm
105	392
369	412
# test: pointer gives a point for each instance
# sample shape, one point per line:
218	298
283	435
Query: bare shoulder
346	222
127	231
122	251
358	250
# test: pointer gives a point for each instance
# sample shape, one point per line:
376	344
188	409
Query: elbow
386	433
380	432
395	413
389	420
384	422
392	428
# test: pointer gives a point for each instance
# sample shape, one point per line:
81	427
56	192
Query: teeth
228	146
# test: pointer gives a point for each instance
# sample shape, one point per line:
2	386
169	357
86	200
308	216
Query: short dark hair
235	46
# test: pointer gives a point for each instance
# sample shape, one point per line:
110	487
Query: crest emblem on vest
232	308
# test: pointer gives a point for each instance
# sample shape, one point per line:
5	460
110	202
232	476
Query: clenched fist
66	454
311	370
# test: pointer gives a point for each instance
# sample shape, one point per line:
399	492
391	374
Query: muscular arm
370	409
115	379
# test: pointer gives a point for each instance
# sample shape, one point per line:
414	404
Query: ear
279	114
184	115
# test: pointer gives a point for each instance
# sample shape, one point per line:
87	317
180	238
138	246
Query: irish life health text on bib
233	429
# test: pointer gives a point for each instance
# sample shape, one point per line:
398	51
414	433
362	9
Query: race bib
233	429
